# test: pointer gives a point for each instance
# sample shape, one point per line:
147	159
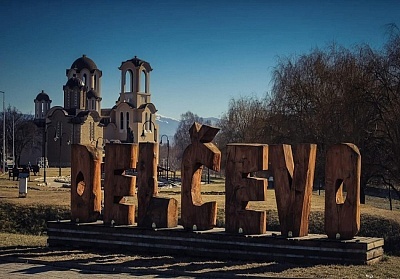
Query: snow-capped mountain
168	125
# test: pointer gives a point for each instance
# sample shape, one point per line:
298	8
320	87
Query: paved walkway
27	270
15	270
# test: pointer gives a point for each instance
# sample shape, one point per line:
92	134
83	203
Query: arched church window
95	83
127	120
128	81
143	82
151	121
121	120
42	109
84	79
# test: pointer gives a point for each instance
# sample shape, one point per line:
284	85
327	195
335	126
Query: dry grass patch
28	215
16	240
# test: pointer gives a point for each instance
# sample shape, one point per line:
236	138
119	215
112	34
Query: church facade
83	120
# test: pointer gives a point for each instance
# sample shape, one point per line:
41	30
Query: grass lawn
53	201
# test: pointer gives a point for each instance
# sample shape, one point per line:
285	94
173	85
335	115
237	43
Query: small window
91	131
128	81
150	122
121	120
127	120
143	82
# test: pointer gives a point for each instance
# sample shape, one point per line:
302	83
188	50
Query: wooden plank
119	157
240	188
375	253
342	170
85	183
212	244
195	214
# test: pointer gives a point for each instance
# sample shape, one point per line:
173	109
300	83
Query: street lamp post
155	130
45	128
59	136
4	131
167	154
42	123
59	153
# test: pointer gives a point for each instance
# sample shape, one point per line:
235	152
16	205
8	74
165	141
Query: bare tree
325	97
182	137
384	66
21	133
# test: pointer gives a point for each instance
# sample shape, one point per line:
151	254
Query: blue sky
203	53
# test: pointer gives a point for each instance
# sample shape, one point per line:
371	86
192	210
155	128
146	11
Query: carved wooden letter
152	210
240	188
85	183
342	170
195	213
119	185
293	181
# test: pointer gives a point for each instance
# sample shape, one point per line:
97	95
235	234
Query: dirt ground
113	262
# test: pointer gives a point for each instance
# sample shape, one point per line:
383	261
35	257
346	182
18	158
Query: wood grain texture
342	170
293	174
195	214
85	183
117	183
240	188
153	211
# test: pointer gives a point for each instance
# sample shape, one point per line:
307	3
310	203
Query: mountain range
168	125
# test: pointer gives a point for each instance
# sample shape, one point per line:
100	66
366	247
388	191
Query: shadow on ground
139	265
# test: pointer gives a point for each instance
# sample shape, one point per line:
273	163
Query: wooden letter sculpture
197	215
153	212
85	183
119	185
293	179
342	170
242	159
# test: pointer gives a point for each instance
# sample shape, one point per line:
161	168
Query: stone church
82	120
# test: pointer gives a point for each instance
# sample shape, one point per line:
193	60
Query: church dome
92	94
42	96
74	82
84	62
137	62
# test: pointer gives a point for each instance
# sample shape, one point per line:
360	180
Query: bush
29	219
32	220
388	229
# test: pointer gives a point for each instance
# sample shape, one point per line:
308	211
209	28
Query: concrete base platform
216	243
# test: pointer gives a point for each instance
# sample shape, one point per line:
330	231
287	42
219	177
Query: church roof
84	62
42	96
74	82
92	94
137	62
